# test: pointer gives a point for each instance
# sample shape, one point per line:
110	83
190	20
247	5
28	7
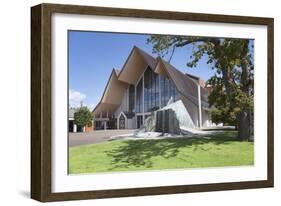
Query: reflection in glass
151	91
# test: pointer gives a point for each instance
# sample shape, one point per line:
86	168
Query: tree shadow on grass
139	153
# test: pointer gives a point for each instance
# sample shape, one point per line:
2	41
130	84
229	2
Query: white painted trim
126	119
142	74
199	106
135	104
159	85
143	113
143	99
128	98
74	128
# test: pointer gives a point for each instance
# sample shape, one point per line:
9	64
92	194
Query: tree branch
174	47
212	40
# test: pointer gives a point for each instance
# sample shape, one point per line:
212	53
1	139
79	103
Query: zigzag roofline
152	62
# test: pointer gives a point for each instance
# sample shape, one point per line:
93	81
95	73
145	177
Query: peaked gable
151	61
136	63
112	94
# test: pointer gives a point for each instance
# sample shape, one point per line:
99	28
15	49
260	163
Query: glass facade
155	93
139	99
132	98
168	91
151	91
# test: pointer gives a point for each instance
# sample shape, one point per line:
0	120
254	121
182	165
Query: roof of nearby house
133	68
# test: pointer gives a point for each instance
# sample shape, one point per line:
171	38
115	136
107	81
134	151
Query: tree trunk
244	131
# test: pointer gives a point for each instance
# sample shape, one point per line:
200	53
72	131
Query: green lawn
132	155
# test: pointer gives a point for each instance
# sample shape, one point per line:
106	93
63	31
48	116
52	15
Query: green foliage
83	117
90	124
232	62
223	115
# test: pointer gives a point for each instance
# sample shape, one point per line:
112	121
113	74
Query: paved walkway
77	139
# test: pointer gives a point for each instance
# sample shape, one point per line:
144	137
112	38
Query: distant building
72	127
146	84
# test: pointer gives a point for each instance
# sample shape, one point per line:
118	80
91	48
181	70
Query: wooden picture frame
41	118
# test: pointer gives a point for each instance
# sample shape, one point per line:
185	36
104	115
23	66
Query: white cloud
75	98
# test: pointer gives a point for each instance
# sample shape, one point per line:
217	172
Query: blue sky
92	55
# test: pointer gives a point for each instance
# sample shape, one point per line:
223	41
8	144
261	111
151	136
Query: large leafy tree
231	99
83	116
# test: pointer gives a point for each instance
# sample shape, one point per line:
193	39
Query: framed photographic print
132	102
